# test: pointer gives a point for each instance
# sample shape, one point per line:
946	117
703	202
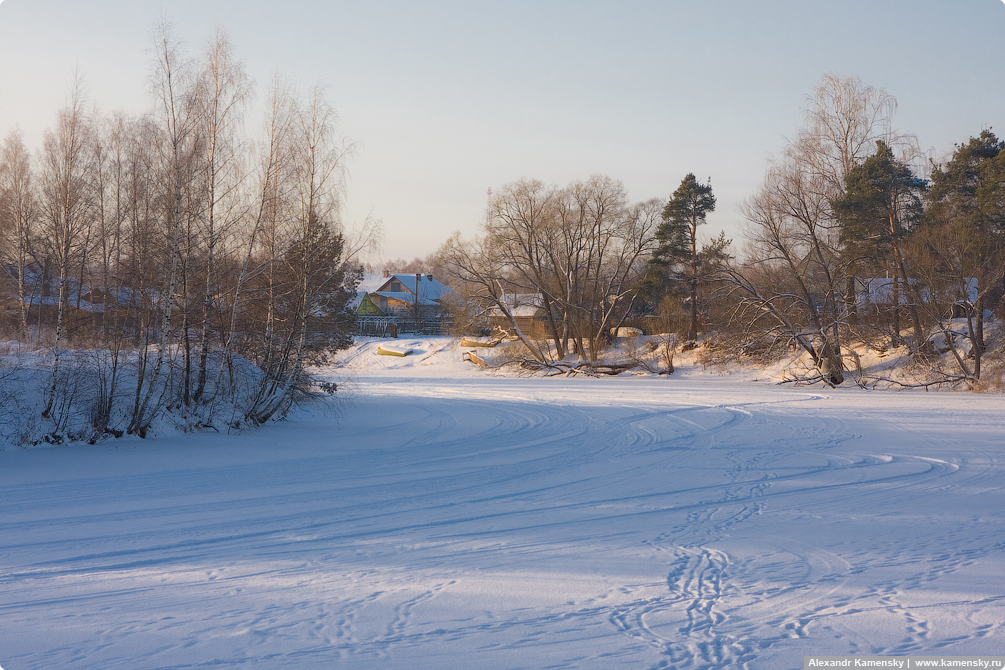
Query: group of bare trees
200	266
578	250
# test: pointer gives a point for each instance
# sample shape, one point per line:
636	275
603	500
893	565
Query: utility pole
418	278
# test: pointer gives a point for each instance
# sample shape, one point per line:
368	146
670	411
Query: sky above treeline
447	99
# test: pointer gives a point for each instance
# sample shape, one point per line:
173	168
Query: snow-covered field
449	518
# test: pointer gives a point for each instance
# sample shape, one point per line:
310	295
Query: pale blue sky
448	98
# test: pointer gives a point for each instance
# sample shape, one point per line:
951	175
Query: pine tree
879	208
965	225
677	258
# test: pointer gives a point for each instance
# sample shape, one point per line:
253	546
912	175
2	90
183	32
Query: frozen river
464	521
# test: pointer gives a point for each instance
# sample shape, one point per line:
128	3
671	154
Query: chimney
387	273
429	277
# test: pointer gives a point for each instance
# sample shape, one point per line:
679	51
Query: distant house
529	312
403	295
880	291
411	300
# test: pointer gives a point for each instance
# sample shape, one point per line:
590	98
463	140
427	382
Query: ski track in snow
463	521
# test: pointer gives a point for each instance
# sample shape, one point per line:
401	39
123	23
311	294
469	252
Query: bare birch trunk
176	110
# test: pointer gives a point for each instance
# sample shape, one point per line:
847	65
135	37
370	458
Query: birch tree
67	208
18	211
309	282
272	176
225	89
176	113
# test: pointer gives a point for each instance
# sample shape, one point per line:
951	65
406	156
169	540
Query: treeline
855	238
178	249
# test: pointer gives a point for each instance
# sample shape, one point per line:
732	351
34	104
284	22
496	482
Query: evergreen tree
677	258
880	206
965	225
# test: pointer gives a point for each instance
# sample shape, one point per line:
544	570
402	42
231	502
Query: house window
383	302
395	287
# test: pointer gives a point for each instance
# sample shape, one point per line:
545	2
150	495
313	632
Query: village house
529	312
409	301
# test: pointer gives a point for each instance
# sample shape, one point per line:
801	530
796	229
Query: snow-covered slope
443	517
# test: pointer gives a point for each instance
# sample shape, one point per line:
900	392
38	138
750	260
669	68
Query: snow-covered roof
521	304
880	290
404	297
429	288
371	282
